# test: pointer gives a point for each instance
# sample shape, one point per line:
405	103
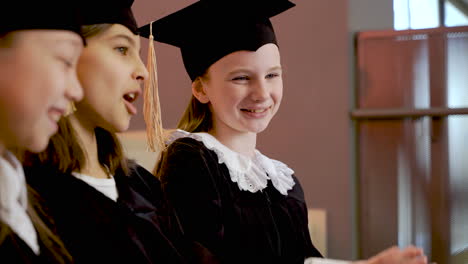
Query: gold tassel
151	106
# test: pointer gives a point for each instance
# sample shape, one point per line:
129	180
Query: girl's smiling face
244	90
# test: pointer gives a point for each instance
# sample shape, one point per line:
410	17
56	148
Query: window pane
458	171
394	72
457	69
414	186
424	14
401	14
454	16
415	14
395	172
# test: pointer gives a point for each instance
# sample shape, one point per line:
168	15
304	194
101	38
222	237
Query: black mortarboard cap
46	14
208	30
109	12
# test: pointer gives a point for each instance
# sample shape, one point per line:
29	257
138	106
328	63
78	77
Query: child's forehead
265	57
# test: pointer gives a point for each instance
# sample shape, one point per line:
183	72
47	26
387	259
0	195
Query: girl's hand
395	255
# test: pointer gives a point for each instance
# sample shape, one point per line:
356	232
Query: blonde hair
197	116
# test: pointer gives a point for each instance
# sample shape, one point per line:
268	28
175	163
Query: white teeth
131	95
256	110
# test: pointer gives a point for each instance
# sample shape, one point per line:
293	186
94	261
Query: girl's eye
272	75
241	78
67	62
122	50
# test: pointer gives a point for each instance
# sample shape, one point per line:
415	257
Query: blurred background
373	119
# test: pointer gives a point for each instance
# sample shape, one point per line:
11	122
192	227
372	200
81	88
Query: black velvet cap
208	30
39	14
108	12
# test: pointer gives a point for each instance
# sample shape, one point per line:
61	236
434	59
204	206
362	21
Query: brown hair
6	39
65	152
92	30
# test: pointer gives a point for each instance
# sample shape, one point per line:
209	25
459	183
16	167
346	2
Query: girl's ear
198	90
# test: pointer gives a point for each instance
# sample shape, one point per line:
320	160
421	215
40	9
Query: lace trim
250	174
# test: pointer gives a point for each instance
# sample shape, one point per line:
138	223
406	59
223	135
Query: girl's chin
119	125
122	128
260	127
257	130
39	144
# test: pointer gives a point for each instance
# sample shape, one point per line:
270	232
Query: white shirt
14	201
325	261
105	186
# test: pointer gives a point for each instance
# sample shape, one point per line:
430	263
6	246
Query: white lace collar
250	174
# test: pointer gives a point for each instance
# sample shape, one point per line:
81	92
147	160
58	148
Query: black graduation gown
236	226
13	249
95	229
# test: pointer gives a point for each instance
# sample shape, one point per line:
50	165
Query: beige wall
311	132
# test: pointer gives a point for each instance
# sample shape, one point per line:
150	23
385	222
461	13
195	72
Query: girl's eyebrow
127	38
238	70
274	68
73	42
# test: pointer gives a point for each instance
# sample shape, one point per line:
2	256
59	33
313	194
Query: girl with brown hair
107	209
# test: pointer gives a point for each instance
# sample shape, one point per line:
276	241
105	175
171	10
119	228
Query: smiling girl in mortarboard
238	203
